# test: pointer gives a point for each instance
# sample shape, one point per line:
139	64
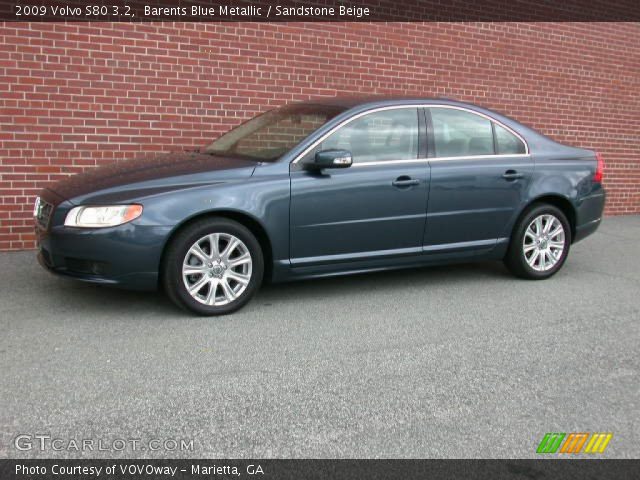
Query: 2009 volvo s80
325	187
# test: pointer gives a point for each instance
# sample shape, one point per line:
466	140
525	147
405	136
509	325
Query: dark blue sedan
325	187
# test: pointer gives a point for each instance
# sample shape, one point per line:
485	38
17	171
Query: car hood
157	173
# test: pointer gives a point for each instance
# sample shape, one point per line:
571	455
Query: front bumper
126	256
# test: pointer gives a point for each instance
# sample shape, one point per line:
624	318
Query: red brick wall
73	96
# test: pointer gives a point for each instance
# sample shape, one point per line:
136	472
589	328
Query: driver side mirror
333	159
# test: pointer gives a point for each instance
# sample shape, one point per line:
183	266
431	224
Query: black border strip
564	469
318	10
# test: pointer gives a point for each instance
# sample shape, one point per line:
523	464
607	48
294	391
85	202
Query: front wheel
213	267
540	243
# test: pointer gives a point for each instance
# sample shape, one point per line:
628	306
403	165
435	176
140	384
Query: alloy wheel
217	269
544	242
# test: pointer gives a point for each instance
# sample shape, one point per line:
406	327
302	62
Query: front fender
264	199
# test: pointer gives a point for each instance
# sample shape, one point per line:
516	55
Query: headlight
107	216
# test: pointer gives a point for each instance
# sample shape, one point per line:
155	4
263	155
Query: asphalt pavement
460	361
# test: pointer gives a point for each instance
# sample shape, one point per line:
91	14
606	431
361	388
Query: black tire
172	278
515	259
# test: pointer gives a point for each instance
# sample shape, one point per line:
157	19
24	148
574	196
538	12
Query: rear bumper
585	230
589	215
127	256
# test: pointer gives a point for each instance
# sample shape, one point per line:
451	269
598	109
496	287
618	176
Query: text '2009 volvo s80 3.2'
325	187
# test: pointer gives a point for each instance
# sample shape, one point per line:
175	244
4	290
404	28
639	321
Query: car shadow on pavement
114	301
390	280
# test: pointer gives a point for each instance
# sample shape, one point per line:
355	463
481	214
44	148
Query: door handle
512	175
405	181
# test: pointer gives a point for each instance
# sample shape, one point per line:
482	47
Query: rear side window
507	143
458	133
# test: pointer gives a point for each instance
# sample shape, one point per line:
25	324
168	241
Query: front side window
458	133
507	143
269	136
385	135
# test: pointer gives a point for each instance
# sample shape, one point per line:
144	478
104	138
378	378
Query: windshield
269	136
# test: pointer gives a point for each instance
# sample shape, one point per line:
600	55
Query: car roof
349	102
357	104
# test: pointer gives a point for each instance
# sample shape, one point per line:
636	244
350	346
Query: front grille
43	213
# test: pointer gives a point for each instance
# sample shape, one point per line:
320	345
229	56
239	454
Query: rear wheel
540	243
213	267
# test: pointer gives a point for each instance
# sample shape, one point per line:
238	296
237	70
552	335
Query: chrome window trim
389	162
439	159
396	107
468	157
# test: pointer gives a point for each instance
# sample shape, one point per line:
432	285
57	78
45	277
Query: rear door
479	173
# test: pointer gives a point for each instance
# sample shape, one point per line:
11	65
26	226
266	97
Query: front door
373	209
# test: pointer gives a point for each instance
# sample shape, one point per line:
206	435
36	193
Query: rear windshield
267	137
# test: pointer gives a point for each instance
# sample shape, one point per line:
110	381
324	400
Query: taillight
599	168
